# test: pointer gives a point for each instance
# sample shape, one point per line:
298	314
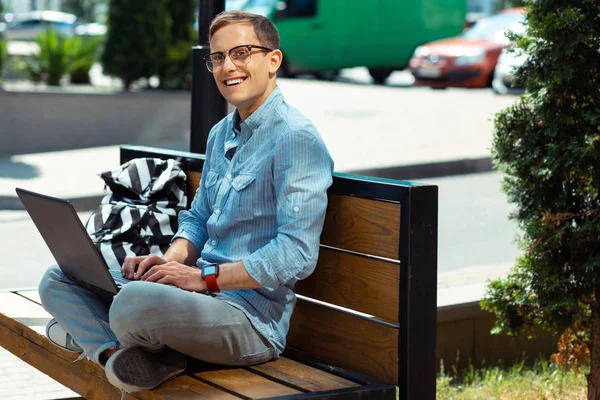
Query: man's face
245	86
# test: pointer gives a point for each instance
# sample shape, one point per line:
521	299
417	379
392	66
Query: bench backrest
370	305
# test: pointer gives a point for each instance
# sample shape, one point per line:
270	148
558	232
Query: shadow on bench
365	321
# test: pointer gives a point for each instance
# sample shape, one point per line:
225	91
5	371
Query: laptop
70	244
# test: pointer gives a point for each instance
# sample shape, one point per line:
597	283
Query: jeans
152	315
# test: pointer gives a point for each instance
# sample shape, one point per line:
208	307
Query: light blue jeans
152	315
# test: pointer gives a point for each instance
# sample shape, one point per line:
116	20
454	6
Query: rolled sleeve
302	175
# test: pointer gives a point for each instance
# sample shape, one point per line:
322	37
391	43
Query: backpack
139	216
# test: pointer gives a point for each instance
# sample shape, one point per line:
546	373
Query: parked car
467	60
27	26
503	82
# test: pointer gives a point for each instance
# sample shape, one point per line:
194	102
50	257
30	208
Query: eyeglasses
239	55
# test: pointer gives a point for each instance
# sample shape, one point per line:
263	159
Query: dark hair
265	30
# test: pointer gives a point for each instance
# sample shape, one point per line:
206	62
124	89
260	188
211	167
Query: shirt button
228	176
214	242
217	211
296	209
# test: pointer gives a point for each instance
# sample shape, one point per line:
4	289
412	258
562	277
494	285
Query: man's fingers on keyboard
130	265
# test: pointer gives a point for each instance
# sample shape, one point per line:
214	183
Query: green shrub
51	63
59	55
548	146
84	52
137	38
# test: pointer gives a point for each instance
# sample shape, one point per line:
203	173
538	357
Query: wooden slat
246	383
185	387
193	181
302	376
362	225
364	284
345	340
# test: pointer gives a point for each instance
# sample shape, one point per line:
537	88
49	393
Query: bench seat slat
186	387
302	376
357	282
246	383
362	225
339	338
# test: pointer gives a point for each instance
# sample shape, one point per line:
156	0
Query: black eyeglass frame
224	53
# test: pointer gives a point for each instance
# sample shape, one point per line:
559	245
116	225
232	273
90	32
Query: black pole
208	106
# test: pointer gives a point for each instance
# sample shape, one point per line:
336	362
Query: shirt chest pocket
242	197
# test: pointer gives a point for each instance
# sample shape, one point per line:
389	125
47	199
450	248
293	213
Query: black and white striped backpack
139	217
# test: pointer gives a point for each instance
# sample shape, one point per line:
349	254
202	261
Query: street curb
431	170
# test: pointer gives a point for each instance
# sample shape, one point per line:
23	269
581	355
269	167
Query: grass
541	381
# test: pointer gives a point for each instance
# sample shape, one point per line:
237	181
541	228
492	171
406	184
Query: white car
27	26
502	82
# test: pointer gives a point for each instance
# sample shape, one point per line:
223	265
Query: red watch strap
211	283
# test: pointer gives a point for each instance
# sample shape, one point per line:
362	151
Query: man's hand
134	267
177	274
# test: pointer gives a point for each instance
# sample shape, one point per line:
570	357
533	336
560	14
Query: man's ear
275	61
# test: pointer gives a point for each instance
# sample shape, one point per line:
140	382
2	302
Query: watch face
209	270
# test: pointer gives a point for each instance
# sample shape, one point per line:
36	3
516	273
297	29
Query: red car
467	60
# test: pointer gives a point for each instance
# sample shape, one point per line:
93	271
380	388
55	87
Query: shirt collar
263	112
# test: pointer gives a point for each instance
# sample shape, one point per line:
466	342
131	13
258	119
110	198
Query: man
252	231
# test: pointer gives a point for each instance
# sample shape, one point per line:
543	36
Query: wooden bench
364	326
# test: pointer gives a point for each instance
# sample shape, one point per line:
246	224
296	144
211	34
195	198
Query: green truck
322	36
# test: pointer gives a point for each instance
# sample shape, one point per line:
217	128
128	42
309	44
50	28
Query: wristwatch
210	273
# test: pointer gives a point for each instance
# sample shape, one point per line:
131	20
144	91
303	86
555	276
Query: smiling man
223	292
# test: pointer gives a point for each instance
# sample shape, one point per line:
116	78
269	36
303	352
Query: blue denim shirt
263	203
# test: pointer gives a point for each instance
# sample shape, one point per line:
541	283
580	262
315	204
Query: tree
176	69
137	38
548	146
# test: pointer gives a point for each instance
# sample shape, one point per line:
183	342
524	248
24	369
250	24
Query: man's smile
235	81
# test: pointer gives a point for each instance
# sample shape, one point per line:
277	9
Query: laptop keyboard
118	278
